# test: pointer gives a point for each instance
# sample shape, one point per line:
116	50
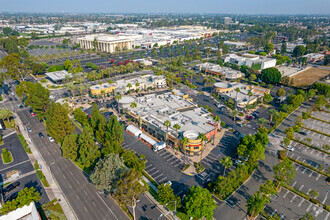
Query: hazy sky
176	6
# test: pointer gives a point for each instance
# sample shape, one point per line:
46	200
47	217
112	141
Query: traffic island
6	156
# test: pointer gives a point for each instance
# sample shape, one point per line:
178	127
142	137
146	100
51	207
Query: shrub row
311	146
149	178
305	196
42	178
309	167
320	119
23	142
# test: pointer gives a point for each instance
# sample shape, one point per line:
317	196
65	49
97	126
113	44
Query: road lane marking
106	206
85	192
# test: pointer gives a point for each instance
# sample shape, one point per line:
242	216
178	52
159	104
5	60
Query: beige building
107	43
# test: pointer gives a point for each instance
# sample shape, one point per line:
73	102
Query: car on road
10	99
218	105
33	114
51	139
41	135
238	162
11	186
255	114
223	108
231	203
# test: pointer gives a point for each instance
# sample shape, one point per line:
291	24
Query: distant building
314	57
227	20
58	76
144	61
215	69
107	43
251	59
27	212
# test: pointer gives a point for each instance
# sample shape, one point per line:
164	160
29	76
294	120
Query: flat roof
58	75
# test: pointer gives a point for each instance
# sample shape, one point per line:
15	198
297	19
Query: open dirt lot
309	76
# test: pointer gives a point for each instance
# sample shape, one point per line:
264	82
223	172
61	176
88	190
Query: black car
11	186
41	135
10	99
303	133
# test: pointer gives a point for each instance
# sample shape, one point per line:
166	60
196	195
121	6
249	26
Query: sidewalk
55	191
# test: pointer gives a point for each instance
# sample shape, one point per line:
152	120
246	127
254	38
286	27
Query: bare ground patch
309	76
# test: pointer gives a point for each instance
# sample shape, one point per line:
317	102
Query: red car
250	117
32	114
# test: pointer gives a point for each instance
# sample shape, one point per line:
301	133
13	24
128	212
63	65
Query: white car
219	105
51	139
291	148
168	183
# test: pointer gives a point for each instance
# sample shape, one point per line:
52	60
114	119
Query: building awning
134	130
148	139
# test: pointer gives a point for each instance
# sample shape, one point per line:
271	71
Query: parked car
11	186
168	183
239	124
290	148
303	133
218	105
238	162
250	117
51	139
41	135
231	203
33	114
29	129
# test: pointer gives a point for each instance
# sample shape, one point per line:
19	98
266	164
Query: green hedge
311	146
320	119
316	131
23	142
309	167
42	178
150	178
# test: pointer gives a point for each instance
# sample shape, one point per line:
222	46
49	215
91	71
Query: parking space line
151	169
326	218
167	156
293	198
212	157
309	207
304	170
287	192
162	180
298	158
302	186
177	164
163	153
172	159
310	174
294	184
154	173
297	167
158	176
317	178
301	202
148	166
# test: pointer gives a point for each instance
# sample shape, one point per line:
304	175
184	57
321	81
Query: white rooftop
28	212
58	75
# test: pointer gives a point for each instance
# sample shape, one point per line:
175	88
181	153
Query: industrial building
227	93
153	110
58	76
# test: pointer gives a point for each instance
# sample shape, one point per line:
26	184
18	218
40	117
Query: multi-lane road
85	200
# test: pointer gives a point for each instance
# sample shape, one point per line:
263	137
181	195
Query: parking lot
322	115
318	140
289	205
21	164
317	125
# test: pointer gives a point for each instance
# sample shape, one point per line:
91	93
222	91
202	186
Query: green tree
133	105
262	122
24	197
167	124
267	98
234	114
165	195
88	151
129	188
95	44
271	75
14	67
283	48
307	216
320	101
203	138
280	92
268	188
269	48
298	51
107	173
237	90
199	203
6	114
58	124
70	147
132	161
272	114
256	203
176	127
39	100
284	172
226	162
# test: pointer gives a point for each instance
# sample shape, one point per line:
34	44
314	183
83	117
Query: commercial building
27	212
58	76
153	110
250	60
227	93
314	57
144	61
215	69
107	43
122	86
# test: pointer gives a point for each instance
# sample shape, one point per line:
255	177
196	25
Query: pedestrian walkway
55	191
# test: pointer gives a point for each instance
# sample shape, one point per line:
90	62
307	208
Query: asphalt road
82	195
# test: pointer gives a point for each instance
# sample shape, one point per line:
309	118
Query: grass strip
319	119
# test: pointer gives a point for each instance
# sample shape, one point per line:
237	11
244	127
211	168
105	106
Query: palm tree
262	121
249	94
167	124
203	139
237	90
118	97
70	87
234	113
133	105
184	142
226	162
272	113
176	127
129	86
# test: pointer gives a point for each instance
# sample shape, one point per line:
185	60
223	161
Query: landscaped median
23	142
305	196
40	174
6	156
309	167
